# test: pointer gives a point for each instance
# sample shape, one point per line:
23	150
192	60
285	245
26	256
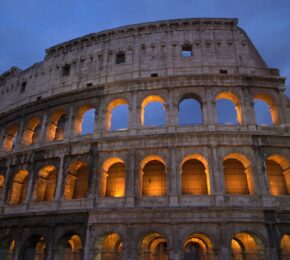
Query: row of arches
152	246
153	112
153	178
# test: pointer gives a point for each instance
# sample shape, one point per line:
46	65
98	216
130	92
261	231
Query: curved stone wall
130	193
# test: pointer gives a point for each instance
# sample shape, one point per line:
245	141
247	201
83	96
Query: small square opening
120	58
186	51
66	70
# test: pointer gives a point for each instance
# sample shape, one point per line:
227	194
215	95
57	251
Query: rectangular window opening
120	58
154	75
186	51
66	70
223	72
23	86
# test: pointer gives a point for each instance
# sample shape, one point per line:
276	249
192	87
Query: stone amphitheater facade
201	191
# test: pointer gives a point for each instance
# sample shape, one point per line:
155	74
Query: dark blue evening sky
28	27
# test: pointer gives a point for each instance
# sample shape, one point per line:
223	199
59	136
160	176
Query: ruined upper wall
150	49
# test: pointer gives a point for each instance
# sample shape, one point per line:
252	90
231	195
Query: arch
238	175
10	137
109	246
153	176
7	247
278	172
56	126
31	131
285	247
194	176
34	248
227	95
84	120
2	180
154	246
273	108
198	246
112	106
246	246
19	187
113	174
44	189
77	180
190	110
146	101
69	246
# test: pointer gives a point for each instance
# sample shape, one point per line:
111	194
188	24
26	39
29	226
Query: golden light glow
285	243
78	124
32	128
146	101
19	187
112	105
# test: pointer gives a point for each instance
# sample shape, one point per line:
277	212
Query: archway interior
154	246
245	245
117	115
69	245
262	111
88	122
285	246
45	185
153	111
19	187
7	247
115	183
10	138
154	179
31	132
76	182
109	247
194	179
2	180
190	112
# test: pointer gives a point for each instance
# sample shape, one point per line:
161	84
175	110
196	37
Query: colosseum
145	191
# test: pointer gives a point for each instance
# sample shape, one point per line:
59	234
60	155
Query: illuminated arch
154	246
110	107
44	189
113	178
56	126
69	246
273	108
238	174
7	247
235	100
77	180
31	131
18	187
109	246
79	119
146	101
194	175
190	110
153	176
246	246
2	180
278	172
10	137
34	248
285	246
198	246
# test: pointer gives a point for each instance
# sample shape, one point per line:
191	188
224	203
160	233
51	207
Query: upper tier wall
151	49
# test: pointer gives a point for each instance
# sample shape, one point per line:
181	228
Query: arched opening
109	247
238	177
85	120
278	172
76	182
198	247
19	187
69	247
31	131
153	111
117	115
228	108
246	247
190	111
7	247
153	181
285	247
2	180
113	178
266	110
56	126
45	184
194	178
153	247
10	137
34	248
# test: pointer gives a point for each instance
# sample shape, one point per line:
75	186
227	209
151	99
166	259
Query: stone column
133	115
130	177
60	180
172	122
43	129
19	135
32	175
5	190
69	127
86	252
172	179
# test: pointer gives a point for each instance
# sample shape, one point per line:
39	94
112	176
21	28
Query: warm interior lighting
19	187
112	105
